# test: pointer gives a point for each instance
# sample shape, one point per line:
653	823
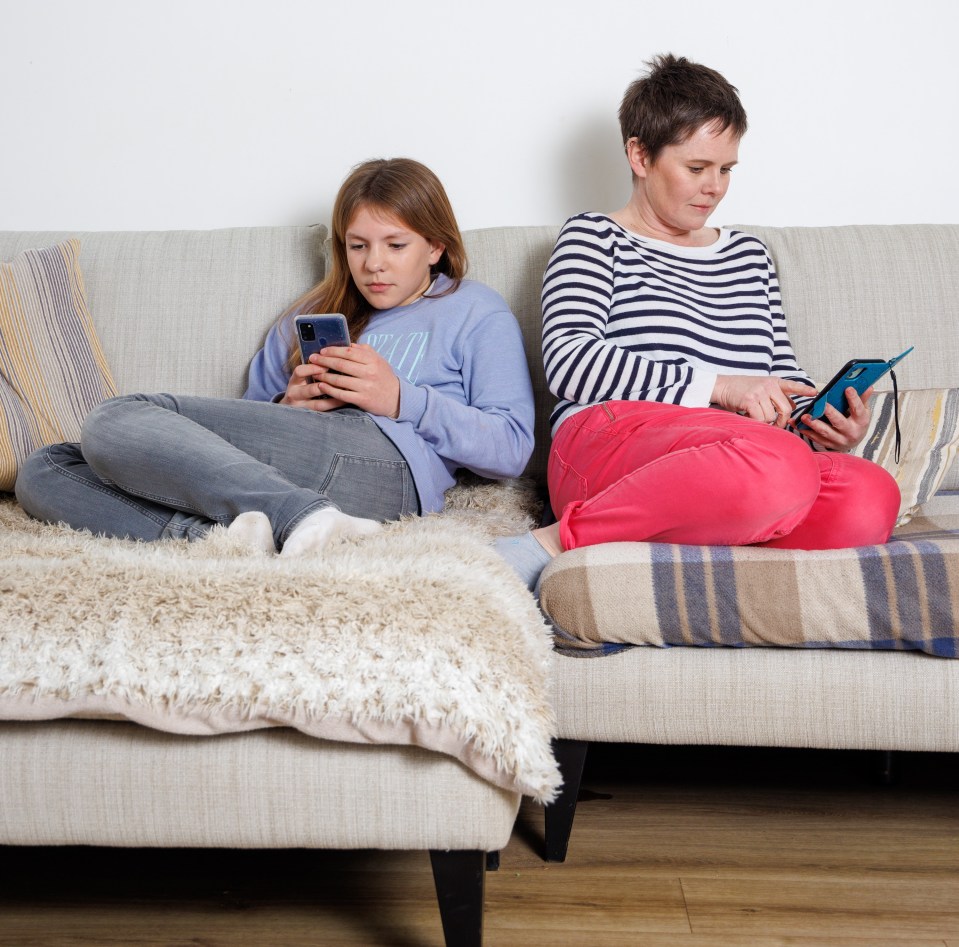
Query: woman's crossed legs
647	472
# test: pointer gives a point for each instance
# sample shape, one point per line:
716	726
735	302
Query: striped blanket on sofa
903	595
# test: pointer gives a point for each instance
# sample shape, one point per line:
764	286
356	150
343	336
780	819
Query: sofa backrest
512	260
848	292
871	292
184	311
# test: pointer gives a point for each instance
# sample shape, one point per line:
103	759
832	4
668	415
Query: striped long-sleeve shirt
633	319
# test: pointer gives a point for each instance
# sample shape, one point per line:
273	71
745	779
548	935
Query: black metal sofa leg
460	879
571	757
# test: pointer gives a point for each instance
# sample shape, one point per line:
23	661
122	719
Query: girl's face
389	263
686	182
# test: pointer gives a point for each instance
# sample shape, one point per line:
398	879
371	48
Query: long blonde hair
406	190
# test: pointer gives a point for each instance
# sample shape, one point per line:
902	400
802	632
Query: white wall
128	114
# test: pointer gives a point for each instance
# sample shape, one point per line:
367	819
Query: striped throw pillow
52	369
929	422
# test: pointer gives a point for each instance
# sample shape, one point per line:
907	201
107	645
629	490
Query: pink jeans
640	471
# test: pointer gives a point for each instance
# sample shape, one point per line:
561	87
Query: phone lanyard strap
895	409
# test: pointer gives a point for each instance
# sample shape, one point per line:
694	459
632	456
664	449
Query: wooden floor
672	847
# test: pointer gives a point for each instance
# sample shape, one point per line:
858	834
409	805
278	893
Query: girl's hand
765	398
302	390
841	433
365	379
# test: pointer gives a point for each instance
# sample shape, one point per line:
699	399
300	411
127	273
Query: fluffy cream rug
418	635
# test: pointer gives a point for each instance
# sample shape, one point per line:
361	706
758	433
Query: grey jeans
159	466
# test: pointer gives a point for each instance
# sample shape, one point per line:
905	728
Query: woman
435	379
666	344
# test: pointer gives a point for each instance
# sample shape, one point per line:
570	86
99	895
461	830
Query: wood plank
144	898
717	940
796	814
821	907
253	924
572	905
782	832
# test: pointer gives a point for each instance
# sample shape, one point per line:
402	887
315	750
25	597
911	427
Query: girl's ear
437	249
637	157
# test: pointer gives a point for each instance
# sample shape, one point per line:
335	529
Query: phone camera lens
307	332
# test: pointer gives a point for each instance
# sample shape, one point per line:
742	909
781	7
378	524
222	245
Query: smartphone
315	332
859	373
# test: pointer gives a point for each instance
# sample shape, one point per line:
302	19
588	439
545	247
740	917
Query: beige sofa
184	312
867	291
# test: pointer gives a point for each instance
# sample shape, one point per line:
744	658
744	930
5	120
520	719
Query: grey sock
527	557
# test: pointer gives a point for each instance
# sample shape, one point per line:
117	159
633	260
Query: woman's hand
356	375
764	398
842	432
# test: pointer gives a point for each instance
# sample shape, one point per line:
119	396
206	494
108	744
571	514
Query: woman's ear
638	159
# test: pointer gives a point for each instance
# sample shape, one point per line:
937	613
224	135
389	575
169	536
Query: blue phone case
318	331
859	373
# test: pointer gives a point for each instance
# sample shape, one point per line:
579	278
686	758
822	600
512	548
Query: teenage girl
435	379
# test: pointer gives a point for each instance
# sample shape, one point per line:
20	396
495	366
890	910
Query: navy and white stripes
629	318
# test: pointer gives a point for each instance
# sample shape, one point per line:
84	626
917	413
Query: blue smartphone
316	332
859	373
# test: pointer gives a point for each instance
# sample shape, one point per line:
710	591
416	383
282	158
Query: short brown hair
673	99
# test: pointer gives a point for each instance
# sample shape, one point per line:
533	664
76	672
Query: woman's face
389	263
686	182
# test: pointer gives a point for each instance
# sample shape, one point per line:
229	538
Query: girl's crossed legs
160	466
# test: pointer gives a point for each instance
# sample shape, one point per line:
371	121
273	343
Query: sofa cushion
98	782
813	697
52	368
929	426
903	595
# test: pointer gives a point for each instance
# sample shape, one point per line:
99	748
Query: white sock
525	554
313	533
254	529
